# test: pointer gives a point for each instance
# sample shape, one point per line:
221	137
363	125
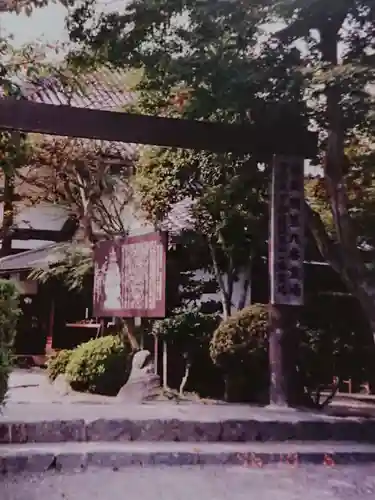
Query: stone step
35	458
186	430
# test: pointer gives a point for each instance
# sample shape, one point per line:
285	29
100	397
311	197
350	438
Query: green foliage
212	57
9	314
27	7
5	367
334	340
57	363
99	366
228	208
188	336
360	185
213	66
239	348
216	73
228	194
74	266
241	339
319	65
189	331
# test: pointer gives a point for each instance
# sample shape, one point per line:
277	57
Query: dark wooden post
8	212
8	199
286	257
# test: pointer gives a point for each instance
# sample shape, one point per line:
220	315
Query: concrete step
35	458
185	429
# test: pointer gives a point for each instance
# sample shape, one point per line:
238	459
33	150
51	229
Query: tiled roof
102	90
42	257
45	255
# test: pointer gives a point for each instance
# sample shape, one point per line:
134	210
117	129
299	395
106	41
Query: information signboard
129	277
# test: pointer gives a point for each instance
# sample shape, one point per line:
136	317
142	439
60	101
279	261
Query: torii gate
287	143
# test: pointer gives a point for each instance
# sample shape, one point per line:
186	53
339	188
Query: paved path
207	483
32	398
65	410
32	386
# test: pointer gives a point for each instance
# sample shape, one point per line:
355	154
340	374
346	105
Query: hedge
9	314
56	364
100	366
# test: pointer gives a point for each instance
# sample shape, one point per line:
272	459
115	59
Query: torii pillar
286	261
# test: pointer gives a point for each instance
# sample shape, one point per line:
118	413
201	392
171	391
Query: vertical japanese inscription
287	231
143	275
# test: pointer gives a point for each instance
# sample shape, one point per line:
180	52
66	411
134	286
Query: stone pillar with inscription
286	259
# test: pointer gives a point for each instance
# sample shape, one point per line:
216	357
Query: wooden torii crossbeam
25	116
288	143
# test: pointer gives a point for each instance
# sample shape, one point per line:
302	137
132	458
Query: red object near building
49	344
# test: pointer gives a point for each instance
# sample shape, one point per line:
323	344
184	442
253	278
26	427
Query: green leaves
188	331
75	265
199	60
227	193
99	366
9	314
241	339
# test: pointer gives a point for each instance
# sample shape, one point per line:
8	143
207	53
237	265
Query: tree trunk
343	255
185	377
226	292
359	281
86	212
8	210
165	365
129	331
8	214
226	388
88	233
246	286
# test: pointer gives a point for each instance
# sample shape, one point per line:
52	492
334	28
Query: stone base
72	458
62	386
143	384
140	390
180	428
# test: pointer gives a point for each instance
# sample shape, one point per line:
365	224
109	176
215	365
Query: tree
336	83
87	177
210	61
22	68
239	347
203	56
27	6
77	175
209	68
190	332
227	207
9	314
339	83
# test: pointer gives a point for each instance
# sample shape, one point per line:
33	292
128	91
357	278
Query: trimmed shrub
188	330
56	364
239	348
9	314
188	334
100	366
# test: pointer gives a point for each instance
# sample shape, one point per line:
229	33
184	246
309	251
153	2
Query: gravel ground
206	483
